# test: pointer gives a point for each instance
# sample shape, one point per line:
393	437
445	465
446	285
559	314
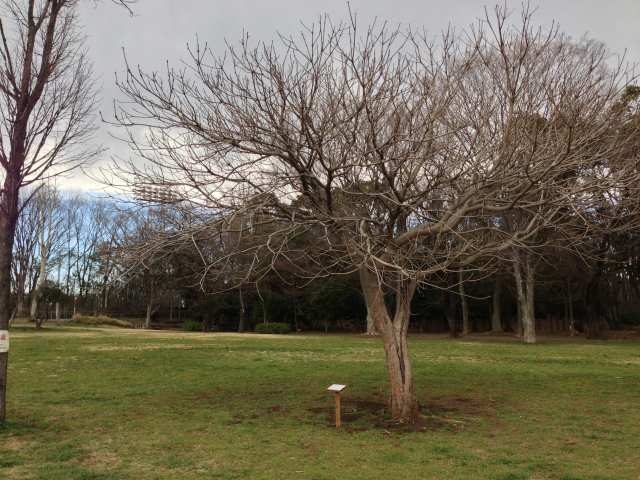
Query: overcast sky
160	30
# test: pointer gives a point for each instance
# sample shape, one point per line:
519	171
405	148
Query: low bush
192	326
100	320
273	327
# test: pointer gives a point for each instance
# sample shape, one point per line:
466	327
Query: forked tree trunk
393	331
464	304
524	274
496	307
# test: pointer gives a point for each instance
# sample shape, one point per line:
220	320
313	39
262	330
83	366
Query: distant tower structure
155	194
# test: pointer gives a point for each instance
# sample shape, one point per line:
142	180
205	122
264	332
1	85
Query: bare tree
90	230
541	103
107	269
50	217
392	156
25	255
46	100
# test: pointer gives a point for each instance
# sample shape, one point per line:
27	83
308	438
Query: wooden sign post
336	388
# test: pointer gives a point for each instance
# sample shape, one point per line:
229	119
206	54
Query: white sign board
4	341
336	387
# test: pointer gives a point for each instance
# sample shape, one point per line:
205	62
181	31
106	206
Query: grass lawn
99	404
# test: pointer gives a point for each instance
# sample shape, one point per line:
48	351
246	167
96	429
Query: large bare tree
46	100
389	154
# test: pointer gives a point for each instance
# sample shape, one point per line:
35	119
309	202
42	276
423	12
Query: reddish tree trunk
8	220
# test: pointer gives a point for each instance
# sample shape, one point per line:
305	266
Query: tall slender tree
46	100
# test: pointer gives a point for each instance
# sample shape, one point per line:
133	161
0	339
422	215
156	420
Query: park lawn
100	404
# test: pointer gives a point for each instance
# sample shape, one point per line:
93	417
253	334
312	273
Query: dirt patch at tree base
452	413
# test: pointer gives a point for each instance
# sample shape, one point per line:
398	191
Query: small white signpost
4	341
336	388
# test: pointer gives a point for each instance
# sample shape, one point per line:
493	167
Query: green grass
106	404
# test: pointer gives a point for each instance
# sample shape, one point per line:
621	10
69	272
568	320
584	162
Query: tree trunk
264	308
242	312
33	311
57	311
450	307
147	319
572	321
105	298
596	299
529	325
42	278
20	295
20	310
524	273
464	305
496	307
34	314
6	248
518	326
393	331
371	325
8	219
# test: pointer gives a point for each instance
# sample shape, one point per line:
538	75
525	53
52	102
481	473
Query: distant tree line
76	253
70	258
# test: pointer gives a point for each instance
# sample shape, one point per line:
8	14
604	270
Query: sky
160	30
